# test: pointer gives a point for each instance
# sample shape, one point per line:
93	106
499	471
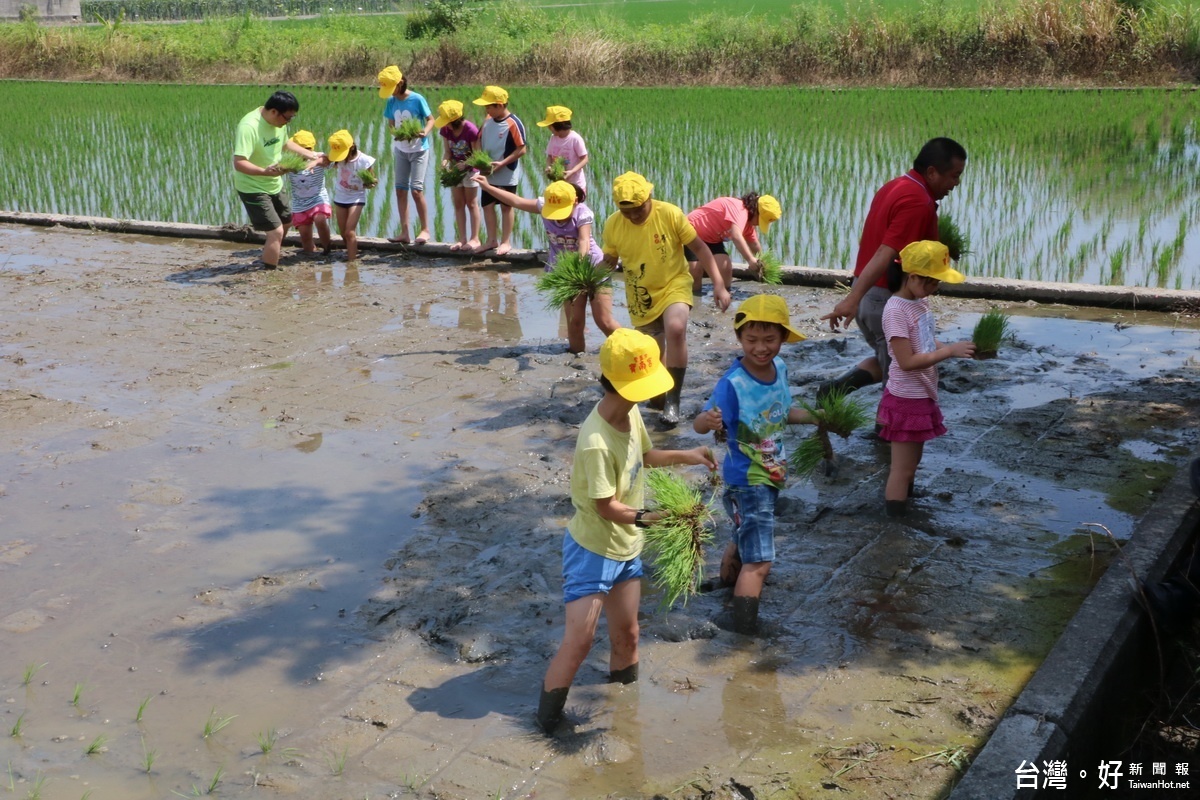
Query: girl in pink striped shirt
908	414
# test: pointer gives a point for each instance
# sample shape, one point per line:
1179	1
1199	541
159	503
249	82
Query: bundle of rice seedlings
557	171
676	543
410	128
572	275
368	178
481	161
292	162
450	175
837	412
955	239
772	272
989	332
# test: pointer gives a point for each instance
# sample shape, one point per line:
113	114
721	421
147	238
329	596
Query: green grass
368	178
77	695
337	761
450	175
838	413
557	170
677	542
96	746
573	274
30	671
17	727
480	160
148	758
955	238
410	128
141	709
215	723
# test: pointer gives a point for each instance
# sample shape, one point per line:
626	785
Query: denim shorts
585	572
752	509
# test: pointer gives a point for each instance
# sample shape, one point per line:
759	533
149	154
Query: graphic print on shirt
765	445
639	297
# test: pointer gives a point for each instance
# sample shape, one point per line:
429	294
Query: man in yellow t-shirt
648	237
601	558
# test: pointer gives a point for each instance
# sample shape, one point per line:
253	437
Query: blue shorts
752	509
585	572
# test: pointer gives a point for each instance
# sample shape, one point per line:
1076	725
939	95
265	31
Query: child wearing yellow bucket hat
410	157
502	137
648	238
569	225
460	137
908	414
732	219
602	566
310	198
355	174
752	404
567	144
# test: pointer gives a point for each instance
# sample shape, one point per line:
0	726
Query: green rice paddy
1094	186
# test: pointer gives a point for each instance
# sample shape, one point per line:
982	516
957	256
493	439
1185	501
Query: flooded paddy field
316	514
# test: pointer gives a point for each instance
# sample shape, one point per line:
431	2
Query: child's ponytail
895	277
750	202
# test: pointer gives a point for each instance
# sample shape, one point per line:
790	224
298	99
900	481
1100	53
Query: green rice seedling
677	541
837	412
573	274
292	162
18	726
266	740
30	671
11	783
215	724
35	792
772	269
96	746
216	779
956	240
86	795
77	695
481	161
557	171
337	761
989	331
449	175
368	178
148	757
142	708
409	129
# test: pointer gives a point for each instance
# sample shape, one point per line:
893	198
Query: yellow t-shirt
608	463
652	257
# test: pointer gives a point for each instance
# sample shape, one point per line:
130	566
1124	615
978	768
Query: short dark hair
755	323
565	125
895	277
607	386
282	102
939	153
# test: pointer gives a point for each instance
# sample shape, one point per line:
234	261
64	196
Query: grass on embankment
1015	42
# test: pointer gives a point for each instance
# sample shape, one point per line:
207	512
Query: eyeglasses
288	116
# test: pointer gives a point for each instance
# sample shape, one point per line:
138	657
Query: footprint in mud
16	551
223	602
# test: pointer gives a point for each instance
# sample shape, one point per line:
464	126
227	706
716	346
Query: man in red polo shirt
903	211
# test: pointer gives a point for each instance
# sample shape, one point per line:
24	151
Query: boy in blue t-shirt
752	405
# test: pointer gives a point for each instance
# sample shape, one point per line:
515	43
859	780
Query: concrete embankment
1000	289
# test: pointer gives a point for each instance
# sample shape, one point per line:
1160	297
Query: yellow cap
339	145
768	212
630	361
305	139
555	114
389	79
631	190
559	200
767	308
447	113
931	259
491	94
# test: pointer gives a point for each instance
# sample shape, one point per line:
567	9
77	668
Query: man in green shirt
259	141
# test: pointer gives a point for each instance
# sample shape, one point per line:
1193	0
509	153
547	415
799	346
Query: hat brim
793	335
657	382
948	275
337	157
386	90
556	211
482	101
546	123
442	122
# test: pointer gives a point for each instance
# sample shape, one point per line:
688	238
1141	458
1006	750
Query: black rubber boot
745	615
550	708
896	508
848	382
670	414
657	402
627	675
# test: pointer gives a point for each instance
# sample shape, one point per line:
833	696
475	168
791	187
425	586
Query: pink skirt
908	419
305	217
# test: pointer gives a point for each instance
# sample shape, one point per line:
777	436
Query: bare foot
423	236
504	248
401	239
472	244
457	246
486	246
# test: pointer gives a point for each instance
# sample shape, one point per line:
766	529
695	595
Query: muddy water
327	502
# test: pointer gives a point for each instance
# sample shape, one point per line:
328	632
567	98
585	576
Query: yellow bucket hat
305	139
447	113
491	94
339	145
389	79
630	361
555	114
631	189
767	308
559	200
931	259
768	212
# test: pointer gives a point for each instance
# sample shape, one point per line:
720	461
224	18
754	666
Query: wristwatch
637	518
